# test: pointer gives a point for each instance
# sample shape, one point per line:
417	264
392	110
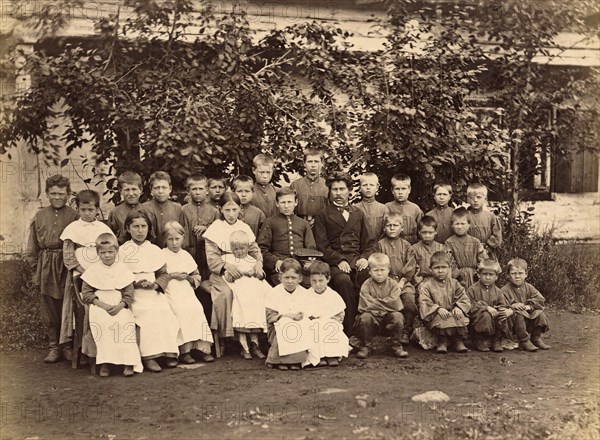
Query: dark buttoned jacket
341	240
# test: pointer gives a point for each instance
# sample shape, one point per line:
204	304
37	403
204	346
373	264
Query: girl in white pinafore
158	326
194	331
108	289
249	294
79	253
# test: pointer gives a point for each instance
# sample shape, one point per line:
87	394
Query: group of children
162	282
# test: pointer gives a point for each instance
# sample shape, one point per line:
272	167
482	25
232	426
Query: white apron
330	339
114	336
193	326
158	326
249	294
83	235
293	336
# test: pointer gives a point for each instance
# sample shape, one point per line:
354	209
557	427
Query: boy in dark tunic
44	254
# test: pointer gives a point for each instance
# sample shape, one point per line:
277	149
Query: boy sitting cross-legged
490	313
379	306
443	305
527	303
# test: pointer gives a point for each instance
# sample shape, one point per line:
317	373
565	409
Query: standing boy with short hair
410	212
196	216
264	192
311	189
467	251
373	210
426	247
160	209
44	255
442	213
485	226
217	185
243	186
130	189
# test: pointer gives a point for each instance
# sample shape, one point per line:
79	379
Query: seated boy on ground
379	307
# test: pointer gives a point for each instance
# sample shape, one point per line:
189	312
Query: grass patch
20	324
565	273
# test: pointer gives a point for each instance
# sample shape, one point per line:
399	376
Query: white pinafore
115	336
158	326
193	326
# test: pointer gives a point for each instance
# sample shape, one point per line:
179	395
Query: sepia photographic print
320	219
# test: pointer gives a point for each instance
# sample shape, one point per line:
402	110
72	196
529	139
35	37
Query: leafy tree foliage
173	88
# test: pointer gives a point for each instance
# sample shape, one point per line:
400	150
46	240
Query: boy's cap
308	253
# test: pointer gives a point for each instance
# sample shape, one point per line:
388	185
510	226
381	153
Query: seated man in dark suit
342	234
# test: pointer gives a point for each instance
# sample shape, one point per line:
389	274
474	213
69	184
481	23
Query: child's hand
492	311
233	271
258	270
444	314
506	313
296	316
402	283
113	310
199	230
102	305
140	284
457	313
519	306
361	264
227	277
344	266
180	276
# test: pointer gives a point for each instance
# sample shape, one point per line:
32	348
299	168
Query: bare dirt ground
551	394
